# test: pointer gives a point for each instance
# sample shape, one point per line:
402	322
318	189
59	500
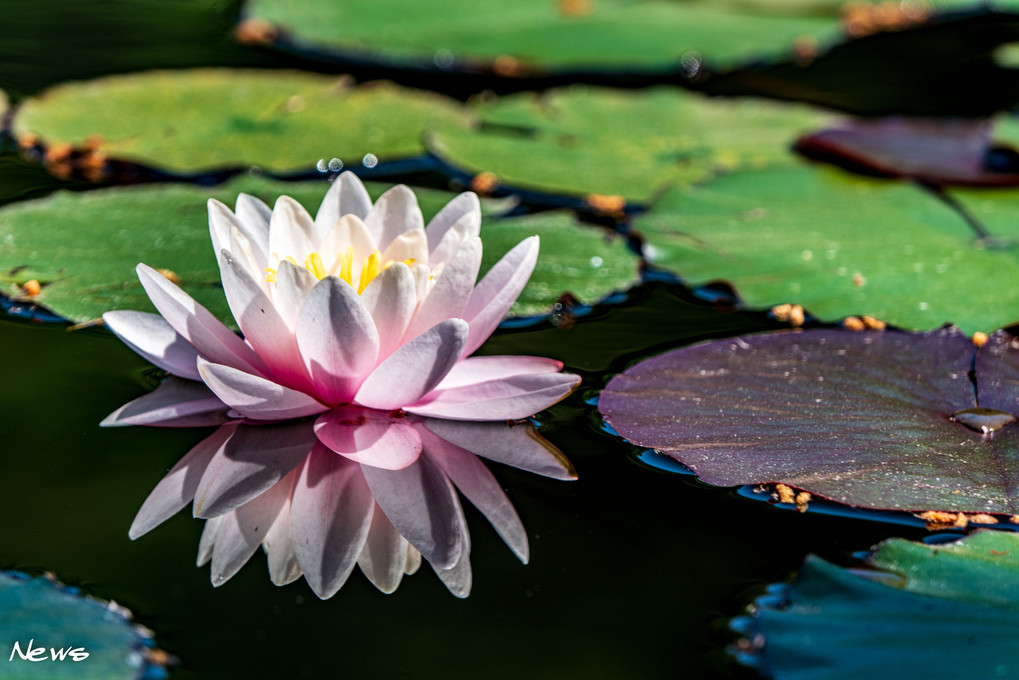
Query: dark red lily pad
869	419
940	151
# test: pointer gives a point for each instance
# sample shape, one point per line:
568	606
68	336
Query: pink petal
200	329
254	459
448	297
244	529
462	214
422	505
262	325
254	397
518	445
458	578
346	196
493	297
473	370
391	299
395	212
337	339
154	339
279	544
415	368
291	231
384	554
207	542
511	398
481	488
178	487
175	403
330	515
369	437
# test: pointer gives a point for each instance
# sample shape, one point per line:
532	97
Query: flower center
343	266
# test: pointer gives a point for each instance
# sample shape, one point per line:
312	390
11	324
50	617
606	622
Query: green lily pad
950	609
212	118
549	33
83	247
631	144
51	631
843	245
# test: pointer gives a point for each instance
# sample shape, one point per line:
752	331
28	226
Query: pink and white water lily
351	411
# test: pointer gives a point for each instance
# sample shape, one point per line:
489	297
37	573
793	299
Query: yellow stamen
347	265
270	275
313	263
369	271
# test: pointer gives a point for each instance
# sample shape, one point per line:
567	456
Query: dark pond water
634	572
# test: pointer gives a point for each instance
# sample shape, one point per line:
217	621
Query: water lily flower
352	410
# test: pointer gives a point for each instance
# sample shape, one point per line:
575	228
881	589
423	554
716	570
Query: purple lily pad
882	420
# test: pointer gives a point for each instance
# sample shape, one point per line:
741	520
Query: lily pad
213	118
603	141
880	420
950	609
843	245
543	32
83	247
52	631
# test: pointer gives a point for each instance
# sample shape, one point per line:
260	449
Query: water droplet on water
335	164
983	420
321	165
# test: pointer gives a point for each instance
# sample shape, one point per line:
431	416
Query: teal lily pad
551	34
950	609
51	631
842	245
603	141
214	118
83	247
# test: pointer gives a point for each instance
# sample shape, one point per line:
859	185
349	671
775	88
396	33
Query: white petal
175	403
255	215
291	231
384	554
178	487
197	325
481	488
254	397
518	396
224	226
391	299
255	458
235	545
348	231
413	561
207	542
448	296
496	293
279	544
422	505
410	245
292	285
330	515
337	339
458	579
395	212
154	339
515	444
369	437
346	196
415	368
462	214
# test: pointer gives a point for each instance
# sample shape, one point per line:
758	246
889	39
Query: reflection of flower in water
364	319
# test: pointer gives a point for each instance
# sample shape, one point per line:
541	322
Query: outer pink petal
255	458
200	328
244	529
458	579
518	396
391	299
369	437
178	487
384	555
422	505
152	337
481	488
330	515
515	444
473	370
175	403
463	213
262	325
448	297
254	397
493	297
416	368
395	212
346	196
279	544
337	339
